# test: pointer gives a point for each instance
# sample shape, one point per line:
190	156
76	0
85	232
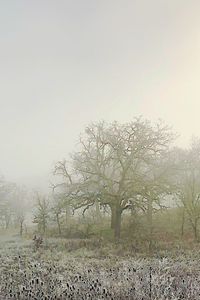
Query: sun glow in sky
66	63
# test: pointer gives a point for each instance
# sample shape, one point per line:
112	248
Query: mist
100	149
66	64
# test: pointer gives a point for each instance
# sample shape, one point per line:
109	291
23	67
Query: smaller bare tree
42	213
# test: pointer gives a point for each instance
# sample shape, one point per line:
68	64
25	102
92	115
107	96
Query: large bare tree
110	165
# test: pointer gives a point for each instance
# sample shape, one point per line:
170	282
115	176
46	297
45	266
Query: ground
52	272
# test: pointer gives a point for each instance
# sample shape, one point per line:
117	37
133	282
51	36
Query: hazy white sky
66	63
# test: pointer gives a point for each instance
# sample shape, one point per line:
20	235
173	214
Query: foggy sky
66	63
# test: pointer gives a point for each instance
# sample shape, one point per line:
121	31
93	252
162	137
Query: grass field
52	272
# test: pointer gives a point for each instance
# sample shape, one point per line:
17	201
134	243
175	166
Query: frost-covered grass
58	274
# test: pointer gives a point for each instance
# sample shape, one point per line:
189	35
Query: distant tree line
12	205
118	171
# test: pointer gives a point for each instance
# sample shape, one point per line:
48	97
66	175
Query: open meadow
55	271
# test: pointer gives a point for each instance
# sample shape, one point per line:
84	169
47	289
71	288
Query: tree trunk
194	228
182	223
117	224
67	215
116	213
7	221
44	226
150	223
58	223
7	224
195	231
21	228
98	212
113	217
